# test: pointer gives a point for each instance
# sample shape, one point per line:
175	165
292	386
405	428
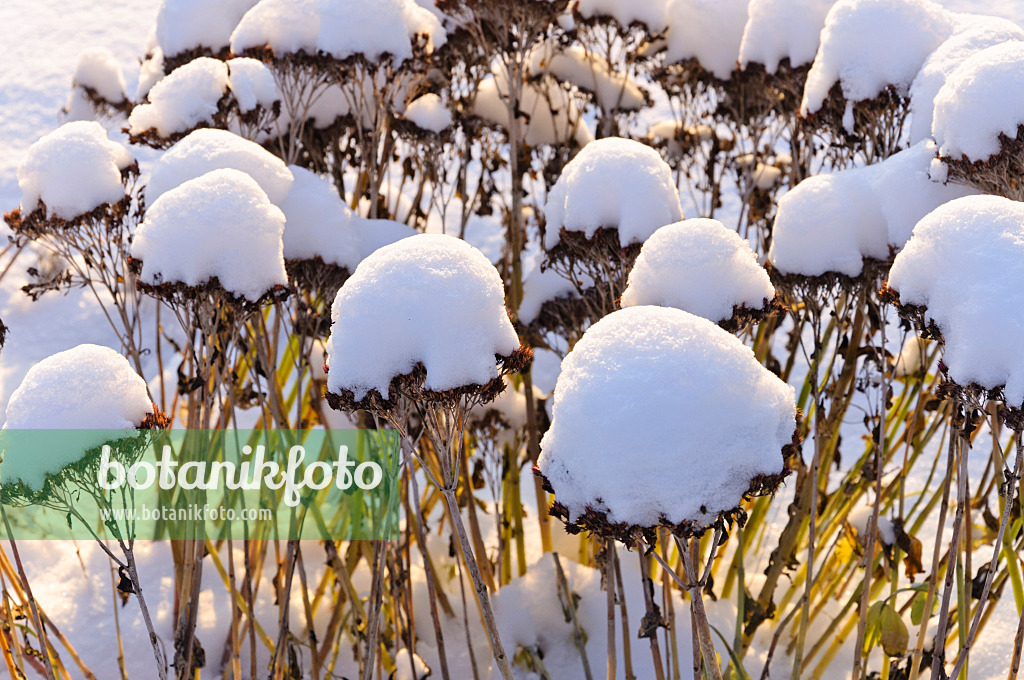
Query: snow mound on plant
709	31
973	34
191	24
649	12
85	388
184	99
613	183
588	71
252	83
338	28
540	287
429	113
782	29
209	149
713	419
318	223
551	115
430	299
831	223
98	70
868	45
73	170
965	263
218	225
981	99
699	266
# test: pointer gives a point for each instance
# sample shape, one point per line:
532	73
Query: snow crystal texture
713	419
184	99
430	299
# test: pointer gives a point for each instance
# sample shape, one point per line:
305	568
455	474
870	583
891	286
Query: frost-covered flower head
85	388
74	171
715	425
961	277
217	231
429	311
702	267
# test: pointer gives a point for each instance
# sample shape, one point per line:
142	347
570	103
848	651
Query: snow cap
714	419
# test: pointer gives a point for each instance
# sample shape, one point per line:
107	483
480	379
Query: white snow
613	183
709	30
540	287
429	113
965	263
830	223
714	418
782	29
73	170
429	298
590	72
183	99
318	223
982	98
551	114
188	24
375	234
85	388
218	225
339	28
699	266
98	70
409	666
209	149
859	518
252	83
649	12
868	45
973	34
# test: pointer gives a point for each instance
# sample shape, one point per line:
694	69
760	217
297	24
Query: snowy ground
41	44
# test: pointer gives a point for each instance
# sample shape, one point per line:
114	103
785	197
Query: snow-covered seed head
339	29
71	174
961	278
85	388
321	236
702	267
208	149
425	316
613	185
661	418
218	231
